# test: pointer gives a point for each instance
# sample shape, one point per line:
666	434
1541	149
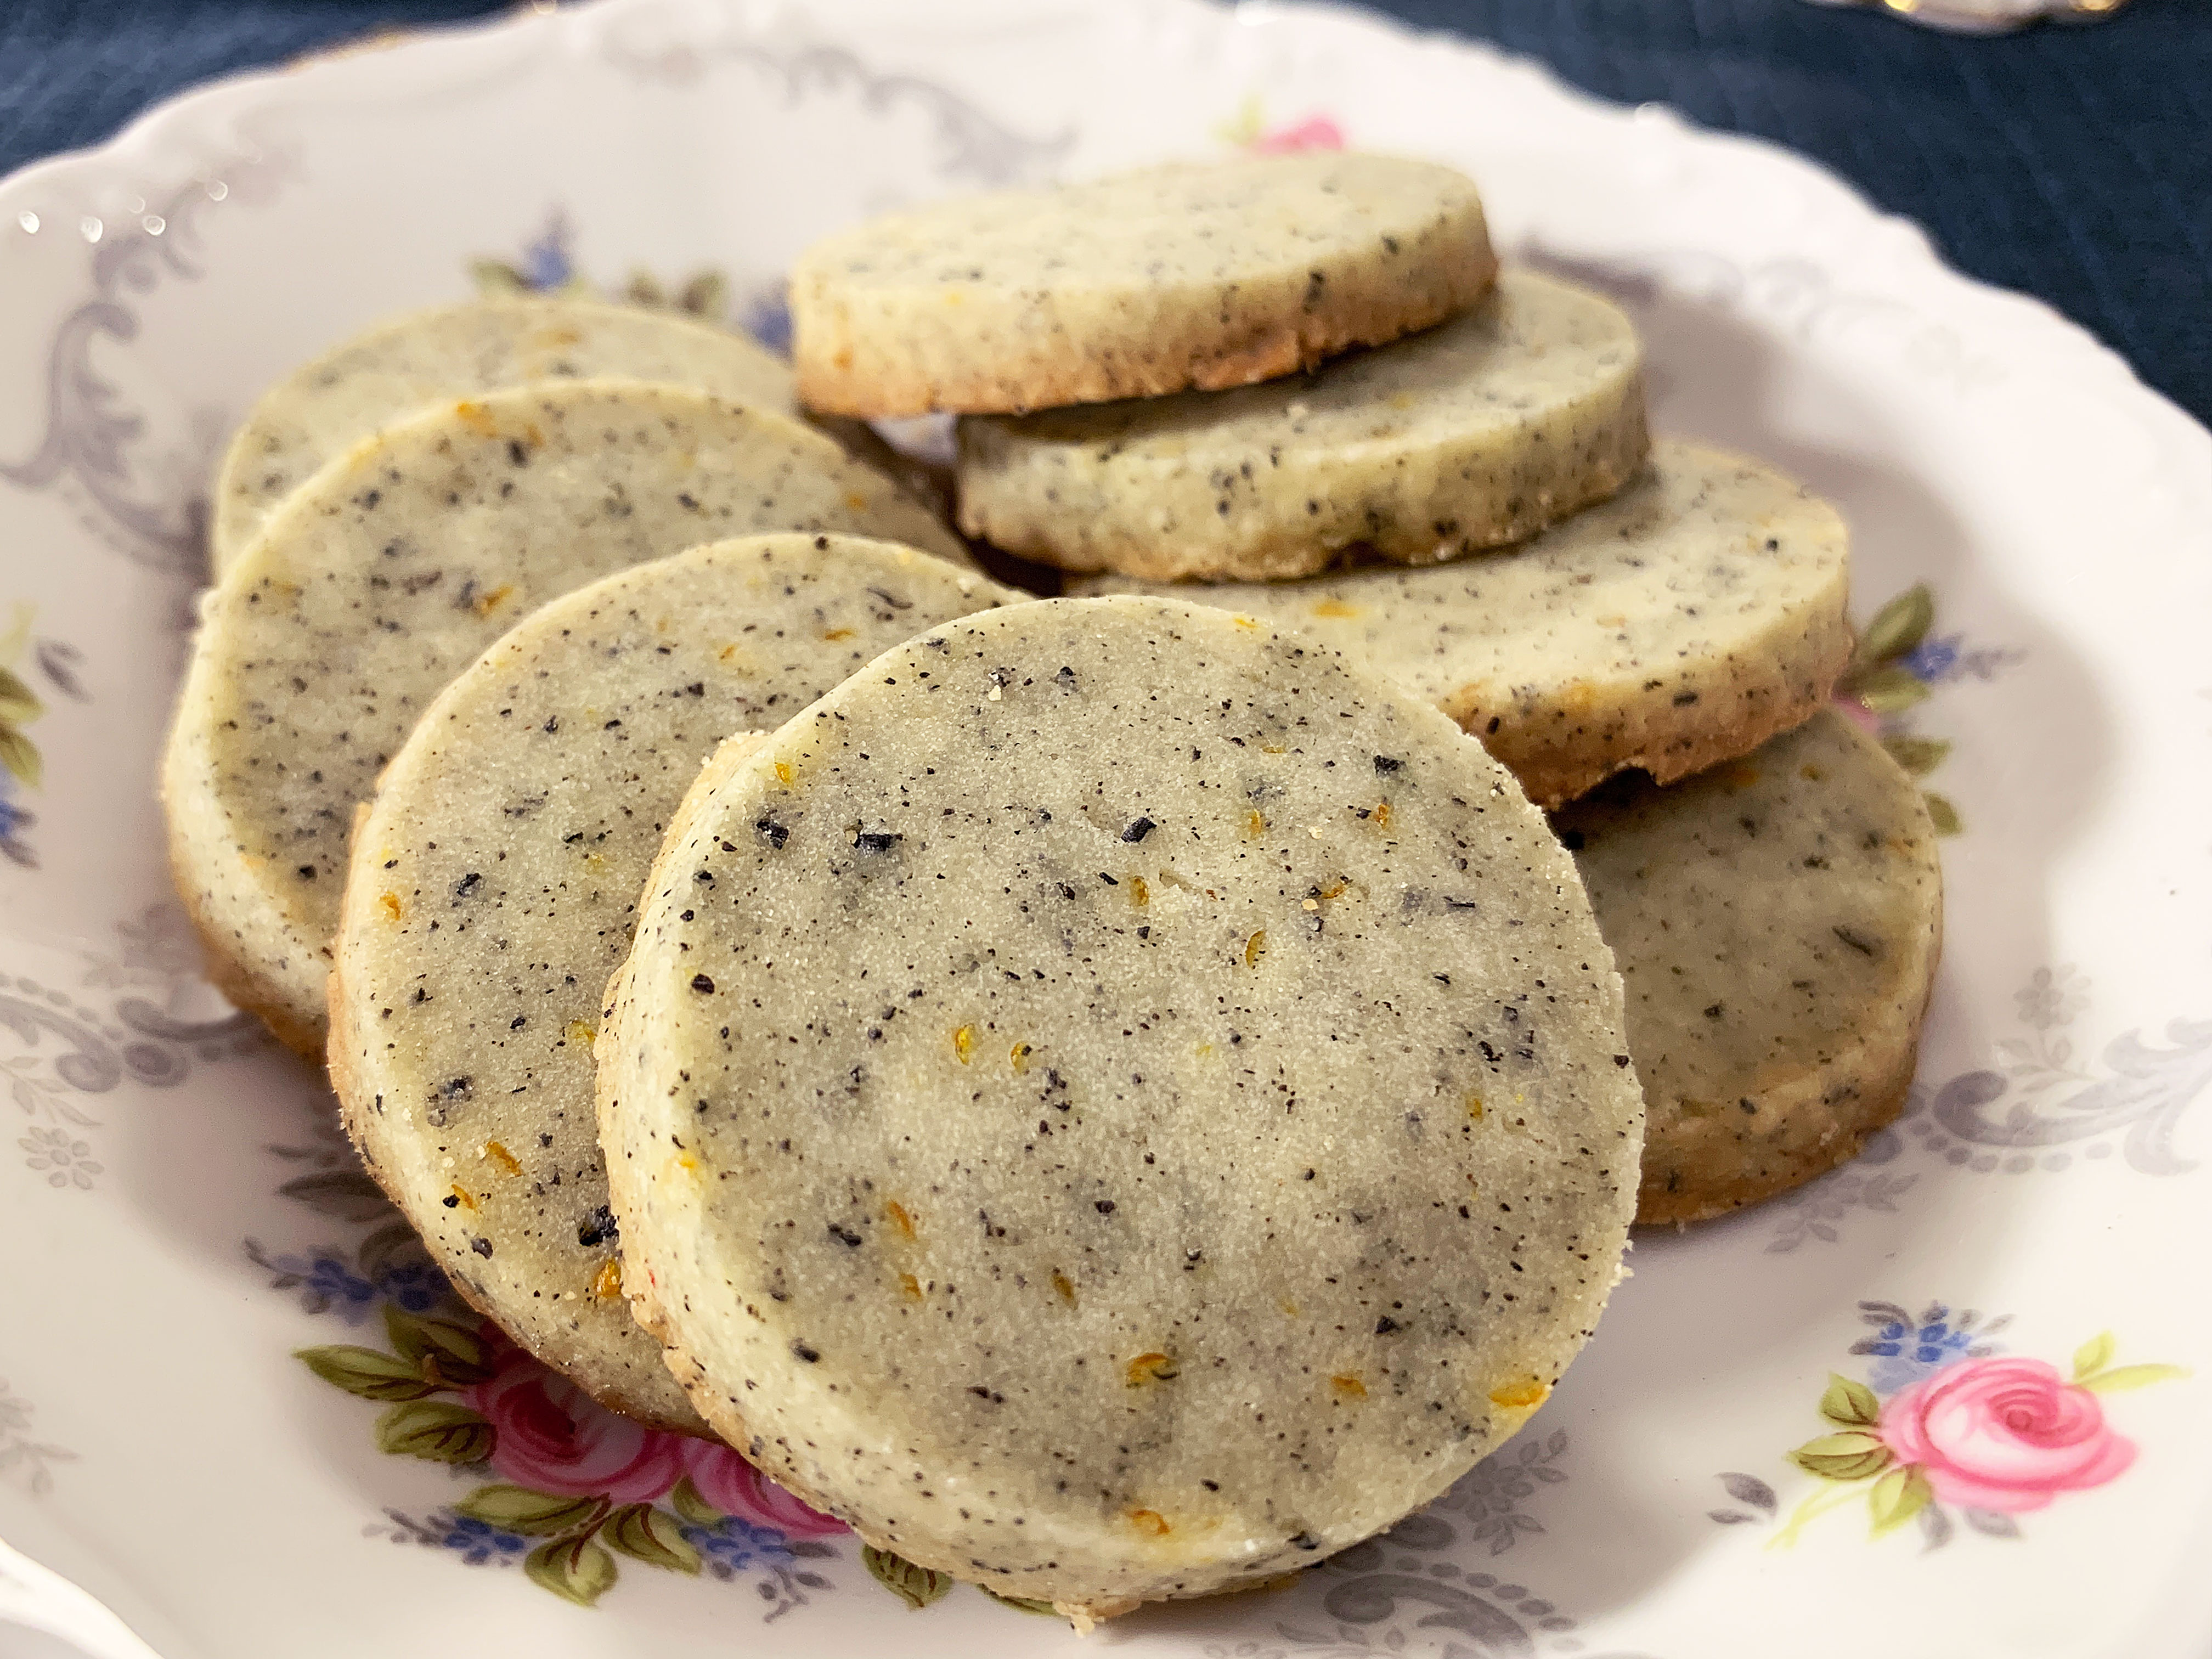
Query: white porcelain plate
1978	1338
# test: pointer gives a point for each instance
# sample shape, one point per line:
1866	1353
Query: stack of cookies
1117	1096
1301	389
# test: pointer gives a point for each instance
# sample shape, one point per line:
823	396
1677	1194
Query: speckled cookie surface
326	406
1684	622
1480	431
385	577
1210	274
1777	921
496	881
1116	1102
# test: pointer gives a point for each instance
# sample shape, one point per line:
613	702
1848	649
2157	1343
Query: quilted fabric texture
2069	162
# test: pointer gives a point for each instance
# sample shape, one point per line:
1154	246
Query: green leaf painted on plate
1851	1456
1025	1604
2094	1355
444	1352
437	1429
364	1372
1886	690
1850	1405
707	295
343	1195
651	1535
916	1586
575	1569
2132	1376
683	1497
20	755
1898	626
644	288
1941	813
1918	755
1898	1497
389	1247
533	1513
19	704
495	278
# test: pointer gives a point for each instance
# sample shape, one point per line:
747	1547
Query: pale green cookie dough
495	880
1686	621
325	407
1481	431
383	578
1192	275
1777	921
1116	1102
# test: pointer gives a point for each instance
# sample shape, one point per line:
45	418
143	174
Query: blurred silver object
1988	16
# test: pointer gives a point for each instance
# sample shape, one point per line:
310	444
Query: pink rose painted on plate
1946	1423
2003	1434
1314	132
551	1437
1249	130
575	1486
734	1486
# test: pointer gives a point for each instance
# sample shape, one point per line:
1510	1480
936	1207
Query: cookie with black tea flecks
327	405
1478	432
495	882
1777	921
385	575
1189	274
1686	621
1116	1102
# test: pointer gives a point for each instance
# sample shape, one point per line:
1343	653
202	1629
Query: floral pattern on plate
573	1486
22	768
1249	130
1947	1424
547	264
67	1049
1898	664
562	1485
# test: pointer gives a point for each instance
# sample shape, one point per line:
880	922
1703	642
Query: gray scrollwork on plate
2141	1100
1408	1592
1815	1212
71	1050
2040	1099
974	145
90	431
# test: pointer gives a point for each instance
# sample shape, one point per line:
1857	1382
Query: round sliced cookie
388	573
1212	275
1777	921
447	352
496	879
1683	623
1116	1102
1508	418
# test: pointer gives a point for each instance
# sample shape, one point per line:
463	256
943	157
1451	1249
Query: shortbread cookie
1506	419
1212	275
1117	1102
495	881
324	408
1687	620
1777	921
384	577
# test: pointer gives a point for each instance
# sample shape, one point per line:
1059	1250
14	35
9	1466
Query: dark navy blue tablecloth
2075	163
